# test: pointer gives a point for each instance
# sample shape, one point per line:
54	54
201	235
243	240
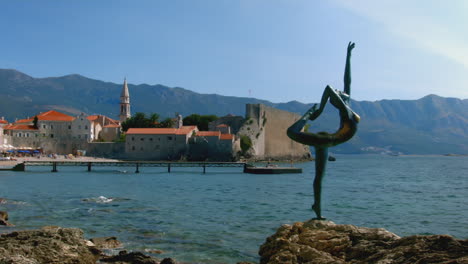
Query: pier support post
169	168
204	168
137	168
89	166
54	166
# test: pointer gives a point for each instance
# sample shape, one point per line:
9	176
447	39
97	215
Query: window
142	139
86	136
169	138
69	127
133	148
27	134
44	126
151	139
51	126
133	139
86	127
51	135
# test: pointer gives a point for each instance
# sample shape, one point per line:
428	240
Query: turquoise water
223	216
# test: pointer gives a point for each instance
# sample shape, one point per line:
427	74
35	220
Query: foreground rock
56	245
4	218
325	242
106	242
47	245
133	257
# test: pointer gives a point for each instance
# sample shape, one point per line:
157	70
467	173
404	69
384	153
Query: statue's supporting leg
321	158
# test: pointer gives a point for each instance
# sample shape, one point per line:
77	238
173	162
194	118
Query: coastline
8	164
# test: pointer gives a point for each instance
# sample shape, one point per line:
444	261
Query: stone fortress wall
266	127
115	150
48	145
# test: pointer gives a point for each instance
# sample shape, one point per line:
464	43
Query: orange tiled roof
112	125
26	120
208	133
20	127
104	119
92	117
227	136
3	122
115	122
161	131
53	115
222	125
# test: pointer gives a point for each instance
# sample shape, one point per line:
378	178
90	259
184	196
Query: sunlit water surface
223	216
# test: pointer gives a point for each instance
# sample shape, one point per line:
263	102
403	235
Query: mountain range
430	125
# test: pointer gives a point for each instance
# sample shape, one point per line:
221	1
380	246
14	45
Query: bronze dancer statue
321	141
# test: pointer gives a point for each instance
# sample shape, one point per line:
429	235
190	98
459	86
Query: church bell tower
124	103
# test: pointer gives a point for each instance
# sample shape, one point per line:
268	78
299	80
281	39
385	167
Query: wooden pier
136	164
247	168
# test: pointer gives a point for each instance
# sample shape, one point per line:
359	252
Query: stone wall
156	146
266	127
114	150
48	145
210	148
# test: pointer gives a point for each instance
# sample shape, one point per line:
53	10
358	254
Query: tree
201	121
166	123
245	143
35	122
139	120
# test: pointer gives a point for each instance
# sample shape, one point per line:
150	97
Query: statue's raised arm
347	74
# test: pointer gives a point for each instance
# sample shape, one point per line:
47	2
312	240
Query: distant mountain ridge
430	125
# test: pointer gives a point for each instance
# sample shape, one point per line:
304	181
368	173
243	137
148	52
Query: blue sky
278	50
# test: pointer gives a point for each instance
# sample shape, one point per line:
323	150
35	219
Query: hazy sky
278	50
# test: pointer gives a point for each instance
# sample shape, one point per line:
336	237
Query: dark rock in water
47	245
132	258
106	242
331	158
325	242
4	219
4	215
168	261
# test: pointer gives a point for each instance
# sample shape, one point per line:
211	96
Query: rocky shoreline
59	245
324	242
311	242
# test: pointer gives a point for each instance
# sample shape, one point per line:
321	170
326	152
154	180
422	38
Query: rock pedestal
325	242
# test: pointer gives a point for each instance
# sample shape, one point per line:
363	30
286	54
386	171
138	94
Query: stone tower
124	103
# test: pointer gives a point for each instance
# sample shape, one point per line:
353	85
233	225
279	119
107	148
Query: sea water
223	216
